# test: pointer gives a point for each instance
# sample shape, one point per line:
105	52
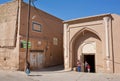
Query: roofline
43	11
2	4
107	14
33	7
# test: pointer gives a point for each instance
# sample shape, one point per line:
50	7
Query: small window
36	27
55	41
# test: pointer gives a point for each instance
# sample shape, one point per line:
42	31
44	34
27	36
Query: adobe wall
9	56
43	41
116	41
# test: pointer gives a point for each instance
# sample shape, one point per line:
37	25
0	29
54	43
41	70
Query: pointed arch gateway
83	46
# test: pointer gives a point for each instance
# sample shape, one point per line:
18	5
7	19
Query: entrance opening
91	61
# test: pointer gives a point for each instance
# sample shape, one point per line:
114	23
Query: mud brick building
94	39
45	37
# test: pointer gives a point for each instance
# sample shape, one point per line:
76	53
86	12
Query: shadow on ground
49	69
34	75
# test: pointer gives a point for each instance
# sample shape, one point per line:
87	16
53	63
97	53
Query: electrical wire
39	12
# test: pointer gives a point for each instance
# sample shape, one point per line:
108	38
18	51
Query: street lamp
27	36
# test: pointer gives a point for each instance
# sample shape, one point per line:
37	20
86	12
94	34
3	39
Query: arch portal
84	46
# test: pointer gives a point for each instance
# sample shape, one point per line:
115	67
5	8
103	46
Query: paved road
73	76
57	76
13	76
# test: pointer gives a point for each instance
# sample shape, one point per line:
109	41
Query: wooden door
36	60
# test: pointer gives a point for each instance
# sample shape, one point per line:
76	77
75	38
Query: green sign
24	43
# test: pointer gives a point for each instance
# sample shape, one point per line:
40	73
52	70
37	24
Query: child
86	64
28	68
88	68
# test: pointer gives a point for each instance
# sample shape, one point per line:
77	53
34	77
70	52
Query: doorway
36	60
91	61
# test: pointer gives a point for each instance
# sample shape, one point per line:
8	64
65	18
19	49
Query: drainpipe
112	47
106	21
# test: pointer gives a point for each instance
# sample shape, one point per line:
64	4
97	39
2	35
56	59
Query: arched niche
84	41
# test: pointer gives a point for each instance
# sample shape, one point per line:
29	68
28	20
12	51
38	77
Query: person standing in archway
78	66
86	64
88	68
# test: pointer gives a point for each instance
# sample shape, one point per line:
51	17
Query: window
55	41
36	27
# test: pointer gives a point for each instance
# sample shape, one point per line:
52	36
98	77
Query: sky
72	9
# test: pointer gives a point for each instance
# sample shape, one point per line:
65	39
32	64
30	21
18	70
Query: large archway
84	46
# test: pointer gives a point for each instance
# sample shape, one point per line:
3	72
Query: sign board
24	43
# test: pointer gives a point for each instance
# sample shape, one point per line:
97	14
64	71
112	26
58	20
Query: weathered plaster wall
116	41
8	36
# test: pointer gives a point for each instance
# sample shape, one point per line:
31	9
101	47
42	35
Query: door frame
87	57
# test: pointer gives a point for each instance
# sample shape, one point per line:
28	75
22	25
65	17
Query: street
60	75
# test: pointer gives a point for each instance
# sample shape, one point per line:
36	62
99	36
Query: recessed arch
85	29
74	39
